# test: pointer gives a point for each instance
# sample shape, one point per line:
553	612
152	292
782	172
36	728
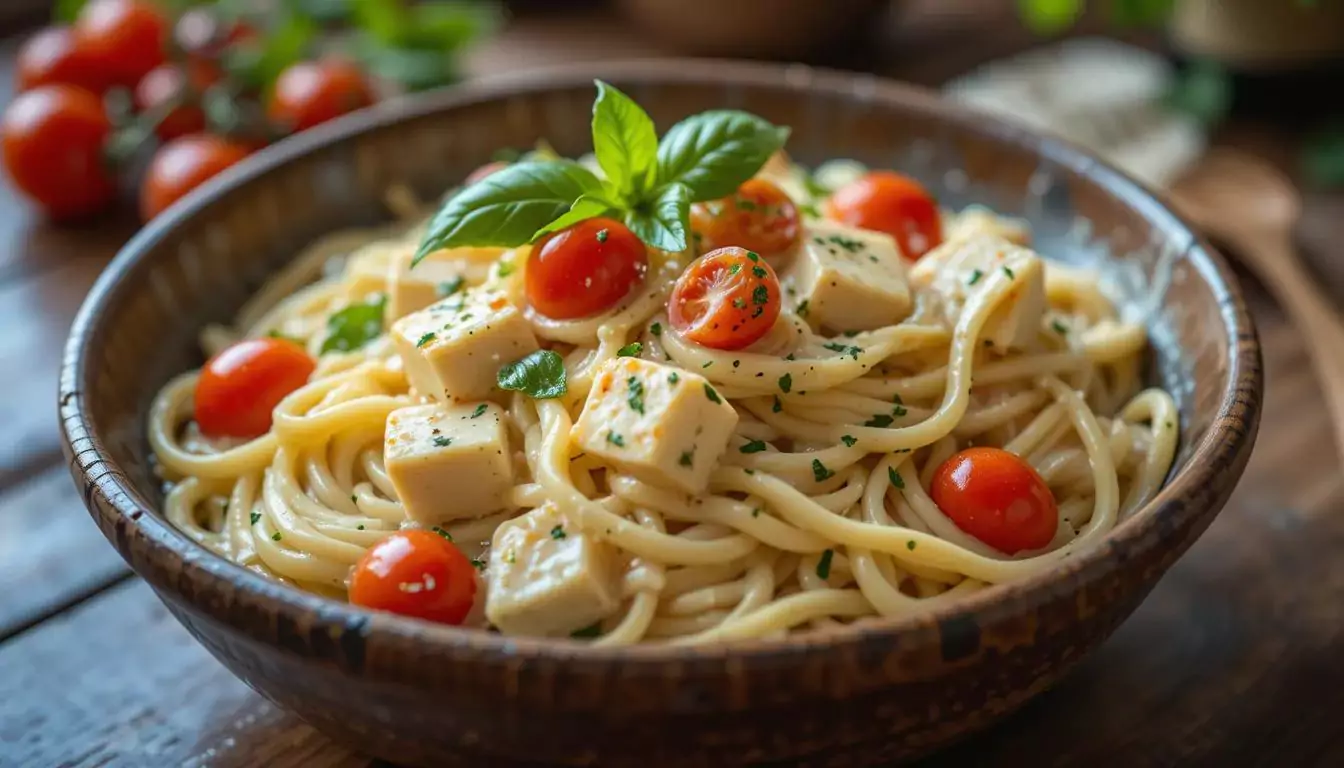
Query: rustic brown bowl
433	695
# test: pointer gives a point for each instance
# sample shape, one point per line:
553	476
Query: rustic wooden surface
1234	659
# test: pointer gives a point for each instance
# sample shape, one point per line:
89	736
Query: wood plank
51	553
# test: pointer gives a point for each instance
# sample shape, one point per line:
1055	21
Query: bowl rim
1226	444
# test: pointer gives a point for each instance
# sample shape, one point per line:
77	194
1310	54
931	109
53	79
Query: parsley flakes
602	235
450	287
1008	272
630	350
785	383
635	397
910	545
656	329
480	410
879	420
442	533
255	517
673	378
820	472
843	349
687	458
801	311
1059	327
711	394
443	442
558	532
760	295
975	277
895	478
824	564
615	439
753	446
849	440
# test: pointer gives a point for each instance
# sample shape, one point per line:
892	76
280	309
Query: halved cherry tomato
167	82
126	38
585	269
415	573
759	216
240	387
53	56
996	497
884	201
53	143
727	299
485	170
312	92
183	164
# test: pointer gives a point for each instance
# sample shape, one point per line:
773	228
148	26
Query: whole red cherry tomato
727	299
585	269
51	57
53	144
888	202
125	37
759	216
183	164
240	387
312	92
996	497
415	573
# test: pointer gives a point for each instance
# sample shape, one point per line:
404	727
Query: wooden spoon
1243	201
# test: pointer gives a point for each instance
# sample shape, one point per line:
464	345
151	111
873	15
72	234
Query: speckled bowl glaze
884	691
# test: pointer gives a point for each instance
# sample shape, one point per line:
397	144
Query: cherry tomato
727	299
758	217
996	497
889	202
125	37
240	387
415	573
584	270
313	92
168	82
53	141
183	164
485	170
53	56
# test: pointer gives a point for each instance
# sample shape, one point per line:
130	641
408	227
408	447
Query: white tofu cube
452	350
547	578
957	270
664	425
367	269
448	463
439	275
848	279
976	221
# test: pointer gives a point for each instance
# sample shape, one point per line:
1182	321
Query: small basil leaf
258	64
713	152
354	326
624	141
507	207
664	222
586	207
540	375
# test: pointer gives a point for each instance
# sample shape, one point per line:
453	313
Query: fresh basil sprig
649	185
540	375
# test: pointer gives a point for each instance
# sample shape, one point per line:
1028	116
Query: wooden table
1236	658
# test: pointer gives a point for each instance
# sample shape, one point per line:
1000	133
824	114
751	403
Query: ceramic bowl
424	694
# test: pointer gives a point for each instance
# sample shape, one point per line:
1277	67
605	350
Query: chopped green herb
849	244
777	406
756	512
443	442
656	329
706	365
820	472
442	533
898	410
255	517
785	383
790	357
975	277
1059	327
824	564
275	536
879	420
849	440
844	350
733	270
354	499
540	376
739	303
355	326
450	287
615	439
712	395
505	268
754	256
759	271
478	564
760	295
557	533
809	209
801	311
630	350
687	457
910	545
753	446
1008	272
274	334
359	527
896	398
673	378
635	396
480	410
850	334
895	478
749	471
602	235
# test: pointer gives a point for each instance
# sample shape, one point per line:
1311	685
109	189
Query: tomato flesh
53	140
239	388
53	56
415	573
125	37
759	216
888	202
183	164
996	497
727	299
585	269
312	92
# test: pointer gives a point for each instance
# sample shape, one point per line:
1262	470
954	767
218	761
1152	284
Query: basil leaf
257	65
507	207
664	222
713	152
354	326
67	10
540	375
586	207
624	141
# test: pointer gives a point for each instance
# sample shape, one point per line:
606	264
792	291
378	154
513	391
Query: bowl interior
199	263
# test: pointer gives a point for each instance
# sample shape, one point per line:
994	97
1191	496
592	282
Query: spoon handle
1275	260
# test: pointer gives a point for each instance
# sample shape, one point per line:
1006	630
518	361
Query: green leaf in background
414	69
713	152
65	11
664	222
323	11
356	325
1323	156
509	206
585	207
624	141
1203	91
540	375
259	64
446	26
384	21
1049	17
1140	13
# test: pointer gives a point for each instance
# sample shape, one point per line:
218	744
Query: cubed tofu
439	275
975	221
367	269
448	462
848	279
452	350
547	578
664	425
959	269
